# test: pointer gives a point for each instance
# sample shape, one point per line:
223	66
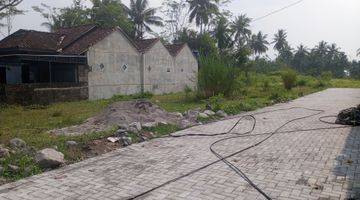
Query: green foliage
216	101
289	78
27	166
119	97
215	77
163	129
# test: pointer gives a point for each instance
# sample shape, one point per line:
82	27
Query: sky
309	22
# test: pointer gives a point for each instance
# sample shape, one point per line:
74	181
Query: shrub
266	84
216	101
215	76
324	79
289	78
301	82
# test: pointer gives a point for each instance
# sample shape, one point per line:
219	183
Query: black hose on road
240	135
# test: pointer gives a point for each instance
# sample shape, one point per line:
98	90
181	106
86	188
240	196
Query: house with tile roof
89	62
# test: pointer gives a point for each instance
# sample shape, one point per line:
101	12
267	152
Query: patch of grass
26	164
177	102
163	129
345	83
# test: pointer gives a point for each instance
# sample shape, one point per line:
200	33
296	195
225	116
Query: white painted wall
114	52
159	70
186	69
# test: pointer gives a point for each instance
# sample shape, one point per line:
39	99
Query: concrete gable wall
186	68
121	67
159	70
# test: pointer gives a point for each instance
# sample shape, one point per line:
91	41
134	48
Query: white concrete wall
113	53
186	69
159	70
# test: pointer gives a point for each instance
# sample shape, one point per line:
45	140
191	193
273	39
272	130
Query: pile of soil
122	114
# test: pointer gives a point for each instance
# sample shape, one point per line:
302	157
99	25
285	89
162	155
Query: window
124	67
168	70
149	68
102	67
182	70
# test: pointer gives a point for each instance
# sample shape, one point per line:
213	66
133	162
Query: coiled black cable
239	135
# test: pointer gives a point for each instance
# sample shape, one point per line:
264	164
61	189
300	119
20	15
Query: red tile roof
72	33
73	41
145	44
175	49
82	44
31	40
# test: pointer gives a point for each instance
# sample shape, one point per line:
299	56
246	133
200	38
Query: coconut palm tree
280	41
222	33
143	17
240	28
258	43
201	11
321	48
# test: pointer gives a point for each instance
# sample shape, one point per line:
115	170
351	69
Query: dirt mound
122	114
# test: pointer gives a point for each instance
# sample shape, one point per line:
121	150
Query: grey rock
49	158
221	113
149	124
121	132
133	130
113	139
203	115
209	112
178	114
71	143
192	114
17	143
136	125
185	124
13	168
163	123
4	152
126	141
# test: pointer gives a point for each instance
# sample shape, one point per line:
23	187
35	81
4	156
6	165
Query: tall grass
216	76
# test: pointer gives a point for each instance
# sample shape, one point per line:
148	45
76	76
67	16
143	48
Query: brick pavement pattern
320	164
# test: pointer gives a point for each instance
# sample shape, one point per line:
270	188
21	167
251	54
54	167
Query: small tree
289	77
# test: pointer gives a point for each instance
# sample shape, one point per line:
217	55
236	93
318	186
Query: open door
2	75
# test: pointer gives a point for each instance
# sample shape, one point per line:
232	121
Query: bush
266	84
215	76
302	82
324	79
289	78
216	101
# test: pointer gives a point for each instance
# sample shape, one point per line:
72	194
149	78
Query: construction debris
350	116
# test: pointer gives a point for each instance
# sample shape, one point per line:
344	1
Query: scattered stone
126	141
221	113
209	112
185	124
17	143
4	152
113	139
13	168
191	114
71	143
178	114
135	125
149	124
49	158
163	123
203	115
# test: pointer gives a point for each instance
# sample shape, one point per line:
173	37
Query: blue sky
307	23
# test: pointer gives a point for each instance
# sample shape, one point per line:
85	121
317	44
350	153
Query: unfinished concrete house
89	62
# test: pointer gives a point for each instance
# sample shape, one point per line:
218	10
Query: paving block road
321	164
